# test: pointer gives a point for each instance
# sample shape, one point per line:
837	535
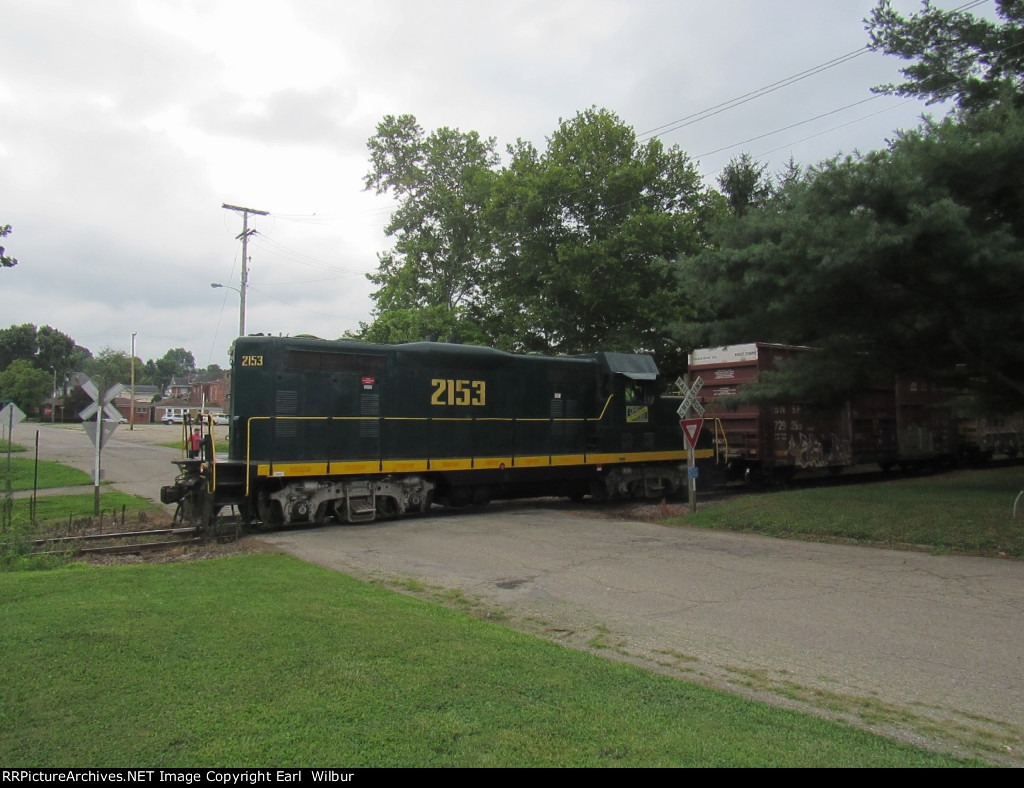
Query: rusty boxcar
899	421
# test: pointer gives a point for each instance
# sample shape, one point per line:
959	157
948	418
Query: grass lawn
50	474
49	508
265	660
966	511
57	508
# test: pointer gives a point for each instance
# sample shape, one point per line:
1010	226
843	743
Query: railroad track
123	542
860	474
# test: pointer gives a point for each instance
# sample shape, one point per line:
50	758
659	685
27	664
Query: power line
717	109
799	123
302	308
304	259
835	128
732	103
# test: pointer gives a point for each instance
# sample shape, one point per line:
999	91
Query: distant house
210	392
144	396
204	390
179	387
146	392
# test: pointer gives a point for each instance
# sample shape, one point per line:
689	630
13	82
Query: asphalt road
927	647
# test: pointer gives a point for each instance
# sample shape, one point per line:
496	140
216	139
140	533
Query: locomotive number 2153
458	392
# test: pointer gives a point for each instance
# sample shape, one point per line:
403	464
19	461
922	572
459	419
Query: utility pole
131	414
246	232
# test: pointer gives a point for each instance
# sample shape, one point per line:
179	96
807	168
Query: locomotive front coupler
190	476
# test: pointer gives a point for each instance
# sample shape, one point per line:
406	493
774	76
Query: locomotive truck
337	431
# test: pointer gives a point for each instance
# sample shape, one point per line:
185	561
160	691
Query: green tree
17	343
441	181
908	260
583	232
177	361
25	385
744	184
46	347
955	55
6	261
109	368
55	353
174	363
148	374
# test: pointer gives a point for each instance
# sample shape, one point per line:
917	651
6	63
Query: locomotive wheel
197	510
387	508
270	514
227	528
324	513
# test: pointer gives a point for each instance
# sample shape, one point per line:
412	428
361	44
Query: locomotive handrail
513	419
212	484
720	430
604	410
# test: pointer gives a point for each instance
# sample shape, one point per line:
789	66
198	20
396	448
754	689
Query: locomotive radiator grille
286	404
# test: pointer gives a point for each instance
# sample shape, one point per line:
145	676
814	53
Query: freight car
902	421
324	431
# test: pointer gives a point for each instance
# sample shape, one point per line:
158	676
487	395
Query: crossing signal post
691	430
100	430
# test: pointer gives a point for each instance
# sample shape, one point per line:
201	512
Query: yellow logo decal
637	414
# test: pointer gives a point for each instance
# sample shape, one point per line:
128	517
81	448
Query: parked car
179	415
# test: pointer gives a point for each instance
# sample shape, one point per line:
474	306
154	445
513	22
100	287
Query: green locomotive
351	432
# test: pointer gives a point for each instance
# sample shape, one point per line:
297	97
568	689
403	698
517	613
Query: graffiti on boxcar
810	451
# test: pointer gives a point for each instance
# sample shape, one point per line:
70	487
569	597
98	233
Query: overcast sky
125	124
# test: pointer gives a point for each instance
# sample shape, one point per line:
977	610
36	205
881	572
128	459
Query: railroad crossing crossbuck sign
89	412
691	427
690	401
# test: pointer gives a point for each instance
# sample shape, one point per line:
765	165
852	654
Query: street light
241	306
